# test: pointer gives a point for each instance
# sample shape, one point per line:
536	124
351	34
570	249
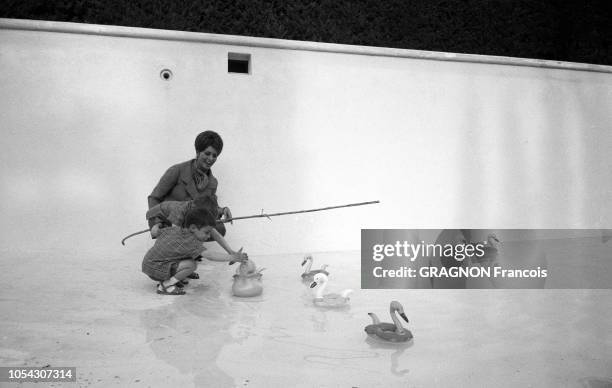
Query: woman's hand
226	214
155	230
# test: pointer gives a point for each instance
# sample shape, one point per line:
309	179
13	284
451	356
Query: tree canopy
576	31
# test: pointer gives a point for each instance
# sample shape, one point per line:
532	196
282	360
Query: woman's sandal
164	290
194	276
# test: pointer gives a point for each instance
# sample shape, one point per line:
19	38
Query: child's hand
238	257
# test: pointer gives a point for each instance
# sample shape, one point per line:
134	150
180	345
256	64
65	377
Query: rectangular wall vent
239	63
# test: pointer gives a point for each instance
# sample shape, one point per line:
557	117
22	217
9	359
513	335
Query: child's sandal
194	276
164	290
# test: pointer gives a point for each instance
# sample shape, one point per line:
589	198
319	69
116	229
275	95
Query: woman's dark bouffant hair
199	217
208	138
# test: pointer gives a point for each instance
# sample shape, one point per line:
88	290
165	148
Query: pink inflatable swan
391	332
309	274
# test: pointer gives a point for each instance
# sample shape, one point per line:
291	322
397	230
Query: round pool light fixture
166	74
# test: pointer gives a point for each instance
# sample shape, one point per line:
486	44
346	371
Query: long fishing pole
268	216
134	234
298	211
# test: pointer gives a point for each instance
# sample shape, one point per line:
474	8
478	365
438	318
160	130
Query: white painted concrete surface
89	126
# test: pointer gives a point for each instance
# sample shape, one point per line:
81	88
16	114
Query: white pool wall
441	140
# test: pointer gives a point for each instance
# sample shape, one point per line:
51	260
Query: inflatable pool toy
308	275
491	249
391	332
491	245
247	280
491	252
328	300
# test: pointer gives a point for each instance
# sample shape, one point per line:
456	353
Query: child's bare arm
218	256
221	241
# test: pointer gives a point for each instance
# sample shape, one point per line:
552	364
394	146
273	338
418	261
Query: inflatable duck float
328	300
390	332
309	274
247	280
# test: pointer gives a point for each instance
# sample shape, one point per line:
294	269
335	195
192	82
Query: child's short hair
199	217
207	202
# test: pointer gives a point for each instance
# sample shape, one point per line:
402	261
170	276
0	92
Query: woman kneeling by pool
192	179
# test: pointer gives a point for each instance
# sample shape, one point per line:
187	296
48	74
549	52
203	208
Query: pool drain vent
239	63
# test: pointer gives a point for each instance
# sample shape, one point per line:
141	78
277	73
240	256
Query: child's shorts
159	274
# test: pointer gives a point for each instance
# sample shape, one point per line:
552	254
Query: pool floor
102	315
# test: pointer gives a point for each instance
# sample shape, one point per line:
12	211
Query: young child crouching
173	257
171	213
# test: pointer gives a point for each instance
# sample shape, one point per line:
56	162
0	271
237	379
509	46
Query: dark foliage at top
576	31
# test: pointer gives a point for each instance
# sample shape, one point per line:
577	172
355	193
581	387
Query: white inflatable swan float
328	300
